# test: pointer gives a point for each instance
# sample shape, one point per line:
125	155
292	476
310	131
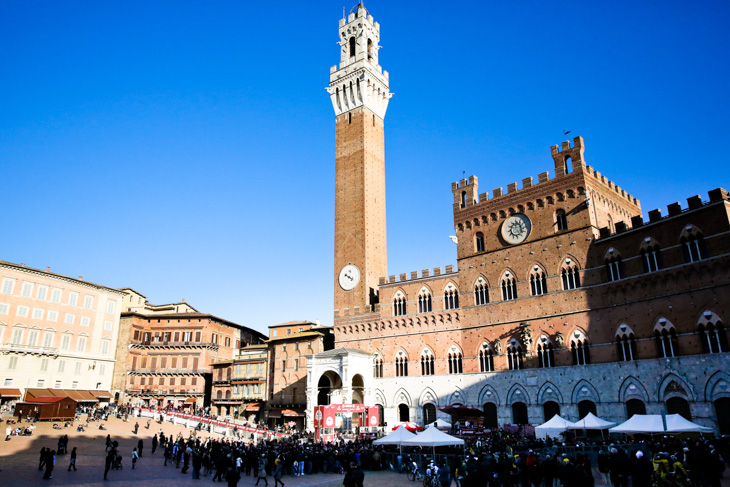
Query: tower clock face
516	228
349	277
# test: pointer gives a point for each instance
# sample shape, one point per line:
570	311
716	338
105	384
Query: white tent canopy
652	423
552	428
641	423
440	423
432	436
396	437
676	423
591	422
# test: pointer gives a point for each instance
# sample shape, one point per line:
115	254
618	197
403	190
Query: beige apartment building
56	332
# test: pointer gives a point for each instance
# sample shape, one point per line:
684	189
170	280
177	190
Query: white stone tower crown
359	81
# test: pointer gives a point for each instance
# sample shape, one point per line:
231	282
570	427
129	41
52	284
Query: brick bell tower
360	95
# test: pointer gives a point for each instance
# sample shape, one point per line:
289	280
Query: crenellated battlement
413	276
673	209
569	161
465	192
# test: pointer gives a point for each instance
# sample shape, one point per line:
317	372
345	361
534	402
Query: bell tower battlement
360	80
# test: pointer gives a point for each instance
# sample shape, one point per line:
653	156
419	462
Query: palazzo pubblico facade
566	300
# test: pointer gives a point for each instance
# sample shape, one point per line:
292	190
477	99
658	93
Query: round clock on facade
516	228
349	277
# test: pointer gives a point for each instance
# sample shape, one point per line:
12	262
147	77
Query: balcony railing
166	392
179	371
170	343
20	348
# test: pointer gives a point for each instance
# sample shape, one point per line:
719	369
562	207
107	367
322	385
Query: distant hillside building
564	301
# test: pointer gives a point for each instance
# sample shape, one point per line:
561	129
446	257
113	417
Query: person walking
136	428
278	472
140	446
72	460
109	444
50	463
154	444
42	461
108	462
262	470
135	456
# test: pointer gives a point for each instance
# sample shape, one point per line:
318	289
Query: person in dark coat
642	470
140	446
50	463
232	476
72	460
619	468
42	460
108	462
154	444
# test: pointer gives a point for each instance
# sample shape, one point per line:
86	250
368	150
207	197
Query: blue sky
186	149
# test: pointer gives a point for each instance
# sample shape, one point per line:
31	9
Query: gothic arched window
514	355
571	277
399	304
545	356
481	292
455	361
451	297
486	358
424	301
538	282
625	344
427	362
352	47
579	349
561	220
666	339
509	287
479	241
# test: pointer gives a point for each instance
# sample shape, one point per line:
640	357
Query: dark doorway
635	406
585	407
519	413
722	410
550	409
679	405
325	388
490	415
403	413
429	413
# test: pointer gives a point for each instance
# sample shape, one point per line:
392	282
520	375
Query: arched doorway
490	415
550	409
429	413
404	413
722	410
326	386
679	405
358	389
635	406
585	407
519	413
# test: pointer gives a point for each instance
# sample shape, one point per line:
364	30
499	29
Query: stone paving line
19	461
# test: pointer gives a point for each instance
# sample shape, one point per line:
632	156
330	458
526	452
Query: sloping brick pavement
19	461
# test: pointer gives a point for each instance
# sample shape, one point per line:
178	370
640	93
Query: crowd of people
502	459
